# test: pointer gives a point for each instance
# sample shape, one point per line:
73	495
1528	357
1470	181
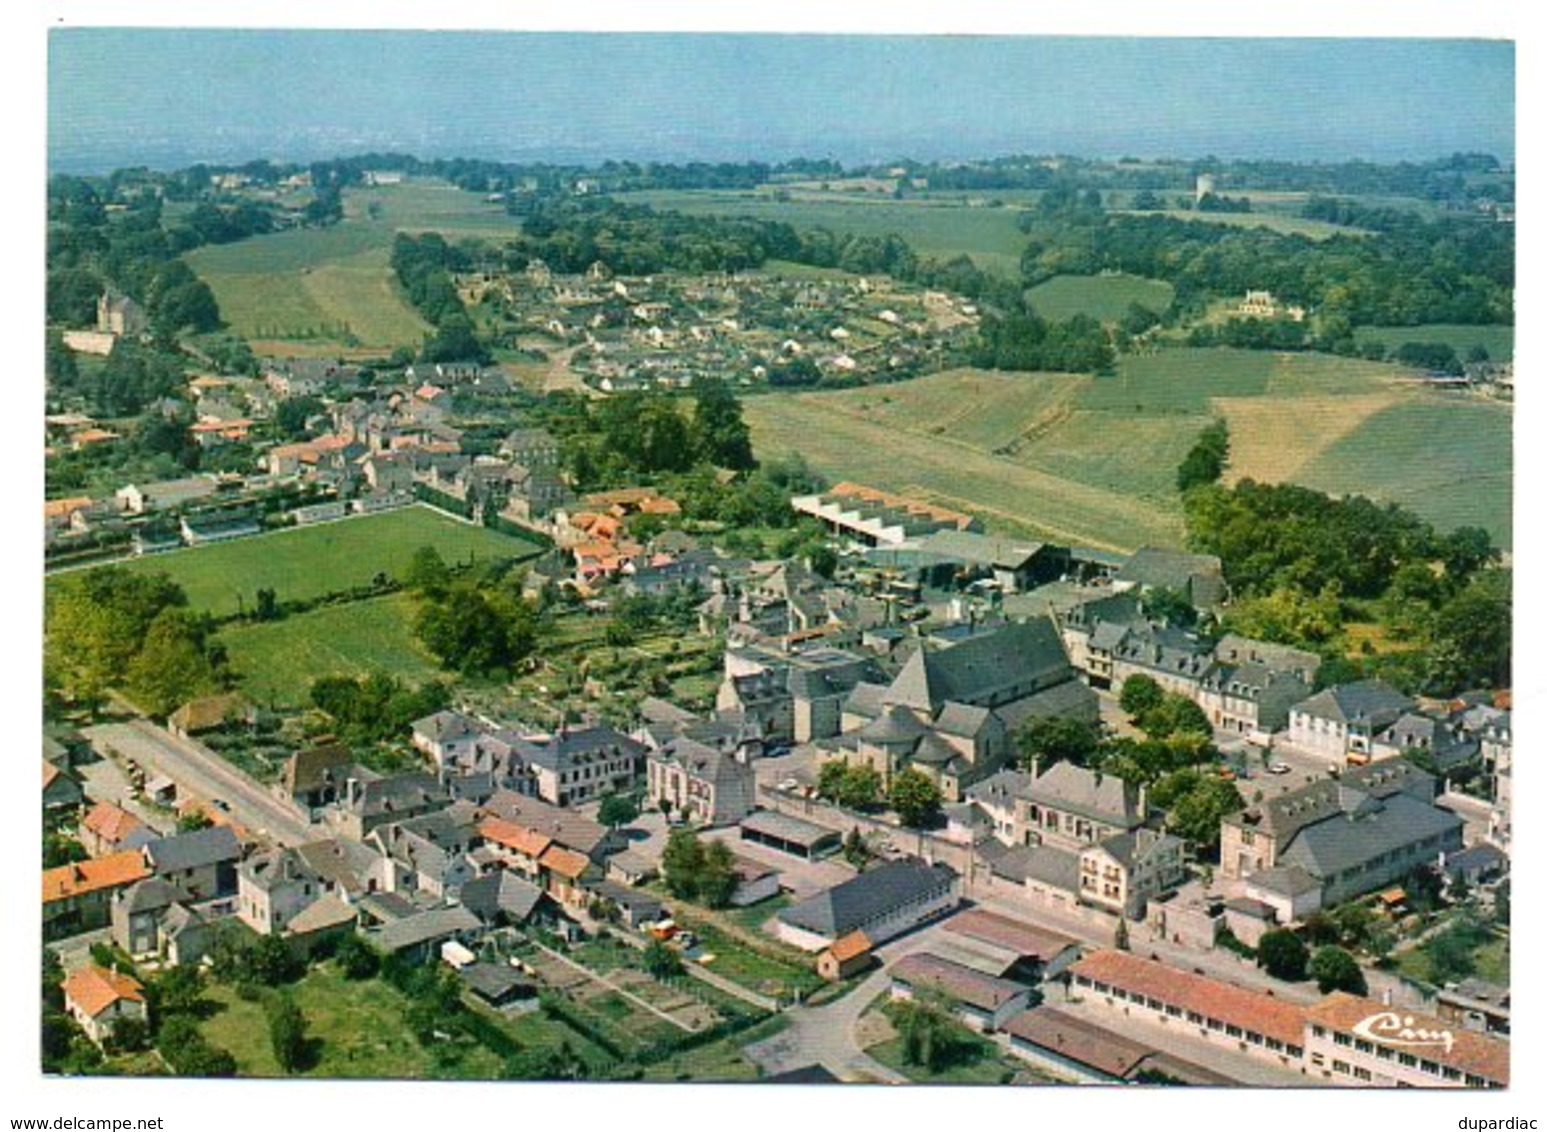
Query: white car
1279	768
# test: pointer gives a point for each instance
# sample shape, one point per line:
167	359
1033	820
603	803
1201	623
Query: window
1194	1017
1363	1046
1319	1031
1343	1039
1174	1011
1340	1066
1383	1053
1407	1059
1361	1073
1233	1031
1430	1067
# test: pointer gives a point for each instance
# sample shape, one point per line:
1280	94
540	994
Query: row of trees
911	794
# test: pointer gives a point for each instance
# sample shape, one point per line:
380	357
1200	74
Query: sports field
306	562
1105	298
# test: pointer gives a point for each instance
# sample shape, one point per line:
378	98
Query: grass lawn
305	562
359	1026
276	661
984	1066
1105	298
1179	381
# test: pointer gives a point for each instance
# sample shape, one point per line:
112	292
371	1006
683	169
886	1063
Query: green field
942	231
1093	459
276	661
1499	341
333	287
1106	298
1448	460
306	562
359	1025
1010	494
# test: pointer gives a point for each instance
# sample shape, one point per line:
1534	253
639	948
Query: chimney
1036	767
1143	800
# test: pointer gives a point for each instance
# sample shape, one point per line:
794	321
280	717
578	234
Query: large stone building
1338	838
703	783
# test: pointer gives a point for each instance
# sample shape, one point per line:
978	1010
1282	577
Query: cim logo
1397	1030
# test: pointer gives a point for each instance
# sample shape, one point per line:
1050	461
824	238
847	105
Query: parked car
1279	768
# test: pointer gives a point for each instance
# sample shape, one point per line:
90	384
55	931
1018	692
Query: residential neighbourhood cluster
669	763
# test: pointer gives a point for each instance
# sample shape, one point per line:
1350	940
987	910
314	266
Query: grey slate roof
569	748
1282	816
1338	843
197	849
1103	798
897	726
501	892
983	667
1285	880
1136	846
1163	568
1053	867
152	894
426	927
1369	701
495	980
854	903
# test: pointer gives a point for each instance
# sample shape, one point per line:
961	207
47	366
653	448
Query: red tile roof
110	822
1366	1018
513	836
1251	1010
94	990
112	871
566	862
851	946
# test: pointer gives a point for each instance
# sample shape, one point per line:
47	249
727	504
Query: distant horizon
169	98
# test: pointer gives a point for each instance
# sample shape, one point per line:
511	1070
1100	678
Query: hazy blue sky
169	97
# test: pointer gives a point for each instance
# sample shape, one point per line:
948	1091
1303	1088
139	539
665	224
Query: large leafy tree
172	666
915	797
94	624
1052	739
1335	969
723	436
1281	954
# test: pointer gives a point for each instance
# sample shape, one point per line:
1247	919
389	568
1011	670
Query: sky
169	96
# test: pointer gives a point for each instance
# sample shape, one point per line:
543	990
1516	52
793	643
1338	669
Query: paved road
199	771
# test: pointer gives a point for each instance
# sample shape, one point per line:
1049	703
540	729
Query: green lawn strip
984	1066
